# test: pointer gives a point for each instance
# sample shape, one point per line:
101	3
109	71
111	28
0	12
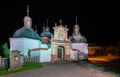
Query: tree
6	51
29	52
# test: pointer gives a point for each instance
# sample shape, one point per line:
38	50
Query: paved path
61	70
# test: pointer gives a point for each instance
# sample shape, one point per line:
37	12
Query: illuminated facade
60	44
49	47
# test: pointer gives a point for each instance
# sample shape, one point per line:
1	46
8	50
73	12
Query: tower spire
76	20
47	27
60	21
27	20
55	24
46	21
43	28
27	10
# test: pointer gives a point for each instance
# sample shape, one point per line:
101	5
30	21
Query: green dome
25	32
47	34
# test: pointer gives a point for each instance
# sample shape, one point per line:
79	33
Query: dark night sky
98	20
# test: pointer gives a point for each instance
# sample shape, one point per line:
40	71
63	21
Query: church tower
79	44
25	37
46	35
76	35
60	44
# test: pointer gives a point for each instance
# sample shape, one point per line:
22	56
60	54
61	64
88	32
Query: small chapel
49	47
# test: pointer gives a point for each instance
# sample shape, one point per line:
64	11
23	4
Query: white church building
49	47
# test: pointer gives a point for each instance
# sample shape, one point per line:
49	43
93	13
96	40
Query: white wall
73	55
23	44
82	47
35	53
45	55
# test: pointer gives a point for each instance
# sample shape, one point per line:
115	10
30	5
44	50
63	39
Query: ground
62	70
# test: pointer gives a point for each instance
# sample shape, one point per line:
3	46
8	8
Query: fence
26	60
2	62
29	60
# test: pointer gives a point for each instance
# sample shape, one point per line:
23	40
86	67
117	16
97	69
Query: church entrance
60	53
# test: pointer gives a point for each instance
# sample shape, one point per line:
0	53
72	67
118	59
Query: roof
78	38
39	49
47	34
25	32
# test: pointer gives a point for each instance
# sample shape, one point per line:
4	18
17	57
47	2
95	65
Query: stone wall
15	60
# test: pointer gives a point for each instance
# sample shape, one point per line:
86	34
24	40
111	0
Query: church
49	47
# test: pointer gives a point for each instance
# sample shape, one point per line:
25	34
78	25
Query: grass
24	68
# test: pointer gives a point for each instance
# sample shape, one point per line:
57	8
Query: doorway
60	52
